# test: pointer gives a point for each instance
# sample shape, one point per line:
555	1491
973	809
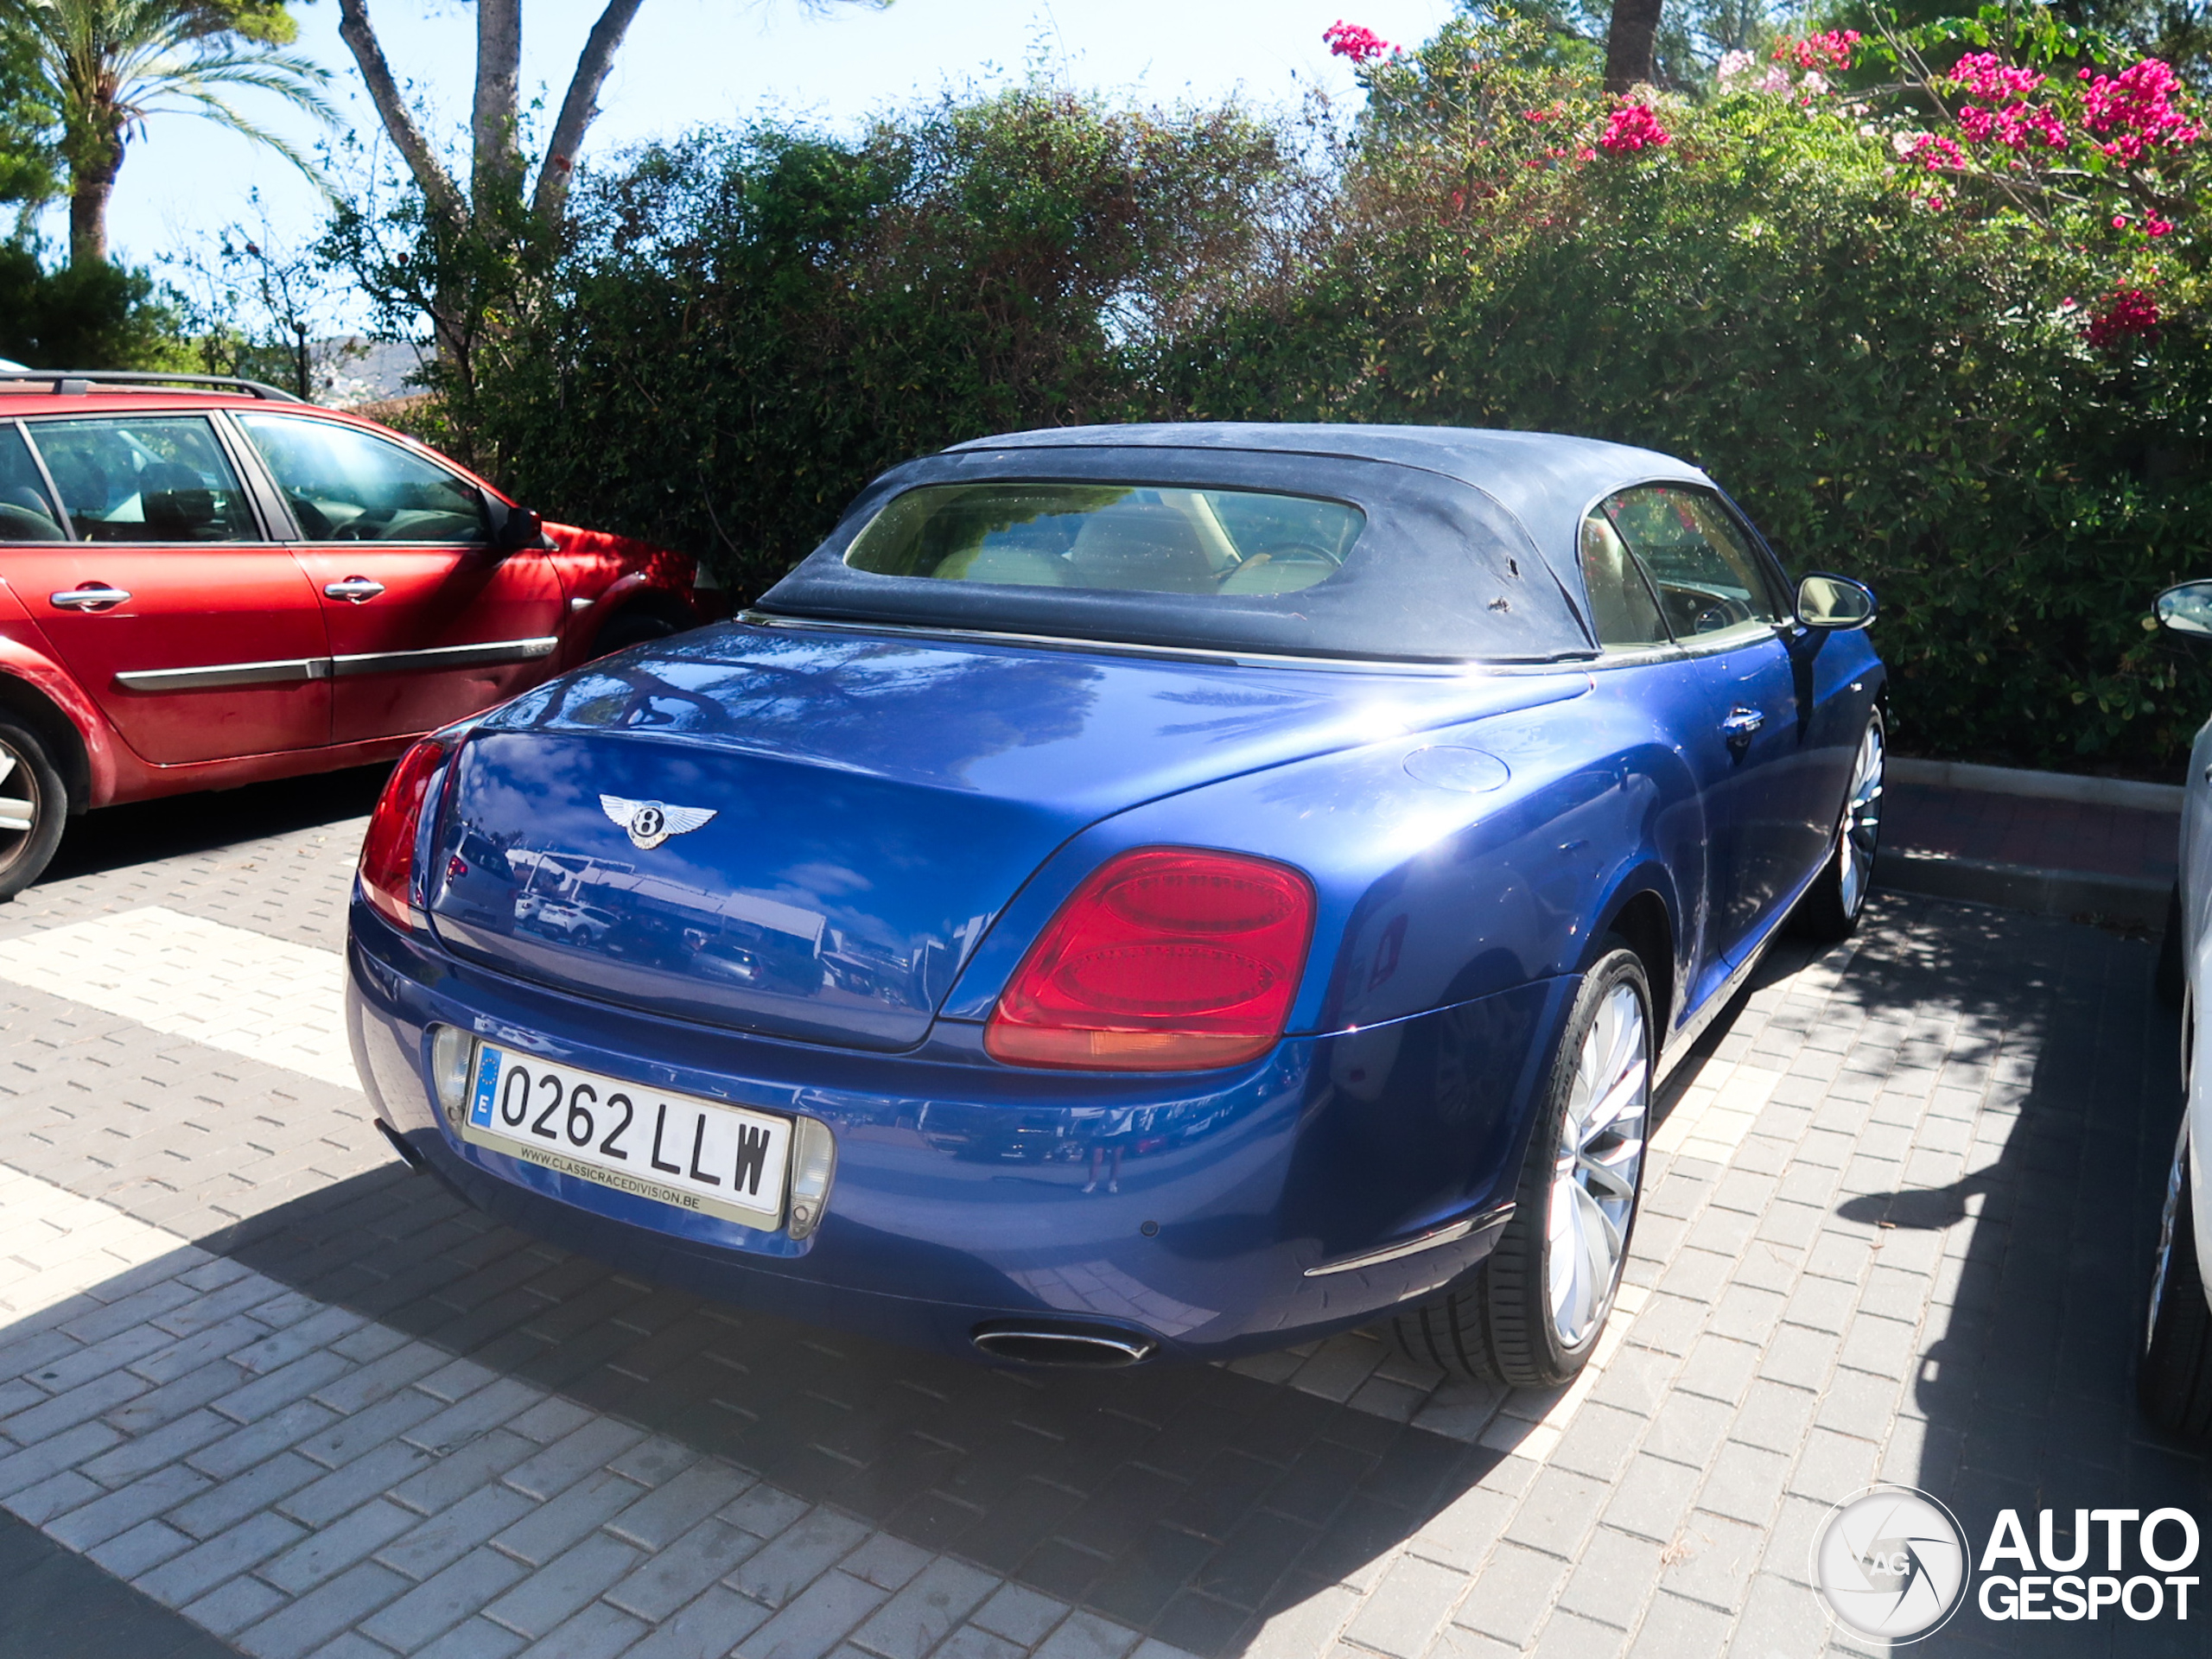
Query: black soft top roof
1442	573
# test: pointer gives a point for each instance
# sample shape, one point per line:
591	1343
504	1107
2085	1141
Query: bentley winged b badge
651	823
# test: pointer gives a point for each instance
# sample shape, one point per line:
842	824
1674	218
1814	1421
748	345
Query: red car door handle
93	596
354	590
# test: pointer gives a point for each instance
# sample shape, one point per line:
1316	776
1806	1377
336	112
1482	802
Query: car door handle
93	596
1742	725
354	590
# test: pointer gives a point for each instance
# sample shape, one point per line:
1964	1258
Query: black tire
2173	1384
634	626
1832	907
1498	1325
35	804
2170	980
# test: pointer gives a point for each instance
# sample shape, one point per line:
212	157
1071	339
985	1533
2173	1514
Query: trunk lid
805	833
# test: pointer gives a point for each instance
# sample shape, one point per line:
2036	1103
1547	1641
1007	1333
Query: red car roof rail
79	383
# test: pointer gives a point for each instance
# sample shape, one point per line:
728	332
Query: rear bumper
1187	1208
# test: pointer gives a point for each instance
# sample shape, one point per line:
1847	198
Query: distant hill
350	370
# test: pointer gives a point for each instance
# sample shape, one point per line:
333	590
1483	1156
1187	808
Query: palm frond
211	107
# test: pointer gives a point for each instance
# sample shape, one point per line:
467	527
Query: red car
207	583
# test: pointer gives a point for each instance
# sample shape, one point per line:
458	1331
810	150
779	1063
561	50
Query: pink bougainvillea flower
1632	127
1360	45
1735	68
2155	226
1935	154
2128	315
1986	76
2134	112
1832	49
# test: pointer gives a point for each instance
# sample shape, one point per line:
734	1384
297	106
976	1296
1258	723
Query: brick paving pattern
1895	1226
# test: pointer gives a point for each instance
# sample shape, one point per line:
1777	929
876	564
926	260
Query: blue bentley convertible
1138	891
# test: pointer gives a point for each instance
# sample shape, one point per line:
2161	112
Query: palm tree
102	67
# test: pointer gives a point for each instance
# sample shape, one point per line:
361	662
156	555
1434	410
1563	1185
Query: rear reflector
1166	959
388	850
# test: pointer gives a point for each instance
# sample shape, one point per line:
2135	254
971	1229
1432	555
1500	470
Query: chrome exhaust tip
1085	1347
416	1164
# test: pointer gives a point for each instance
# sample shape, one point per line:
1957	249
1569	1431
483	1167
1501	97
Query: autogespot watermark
1893	1562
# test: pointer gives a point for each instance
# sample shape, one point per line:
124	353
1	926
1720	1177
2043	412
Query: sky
690	62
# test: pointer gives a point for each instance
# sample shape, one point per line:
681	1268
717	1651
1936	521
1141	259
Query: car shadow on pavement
2022	1395
116	837
1184	1500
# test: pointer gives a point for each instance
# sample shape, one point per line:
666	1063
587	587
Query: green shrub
1898	390
1981	388
98	316
747	327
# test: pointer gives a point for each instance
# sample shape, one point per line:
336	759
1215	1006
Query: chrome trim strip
490	652
1439	668
283	672
1451	1233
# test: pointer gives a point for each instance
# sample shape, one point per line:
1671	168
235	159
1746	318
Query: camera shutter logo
1891	1562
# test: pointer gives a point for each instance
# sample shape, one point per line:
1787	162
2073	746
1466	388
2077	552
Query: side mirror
513	528
1835	602
2186	609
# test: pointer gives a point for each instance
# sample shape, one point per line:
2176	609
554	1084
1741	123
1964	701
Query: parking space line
230	988
1681	1328
229	1524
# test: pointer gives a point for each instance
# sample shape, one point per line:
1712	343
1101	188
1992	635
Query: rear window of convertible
1241	550
1109	537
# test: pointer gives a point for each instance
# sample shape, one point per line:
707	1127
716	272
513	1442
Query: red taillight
388	850
1167	959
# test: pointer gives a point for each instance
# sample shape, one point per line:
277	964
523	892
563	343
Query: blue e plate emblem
487	1083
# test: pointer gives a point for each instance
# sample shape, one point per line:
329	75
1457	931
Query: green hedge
746	327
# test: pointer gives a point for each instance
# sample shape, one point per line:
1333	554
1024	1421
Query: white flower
1777	79
1814	85
1735	67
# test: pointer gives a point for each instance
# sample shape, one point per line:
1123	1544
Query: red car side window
141	479
26	515
348	485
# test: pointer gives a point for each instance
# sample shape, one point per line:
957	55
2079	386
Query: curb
2133	901
2040	786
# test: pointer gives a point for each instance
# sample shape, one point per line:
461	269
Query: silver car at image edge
2174	1380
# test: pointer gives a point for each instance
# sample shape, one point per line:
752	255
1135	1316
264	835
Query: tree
89	316
29	170
1629	40
497	164
452	256
99	69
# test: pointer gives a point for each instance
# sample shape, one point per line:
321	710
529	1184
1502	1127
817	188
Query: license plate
698	1155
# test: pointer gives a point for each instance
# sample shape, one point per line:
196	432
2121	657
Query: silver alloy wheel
1862	822
19	804
1594	1174
2167	1218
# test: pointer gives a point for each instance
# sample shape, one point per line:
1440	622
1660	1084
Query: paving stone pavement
1896	1226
